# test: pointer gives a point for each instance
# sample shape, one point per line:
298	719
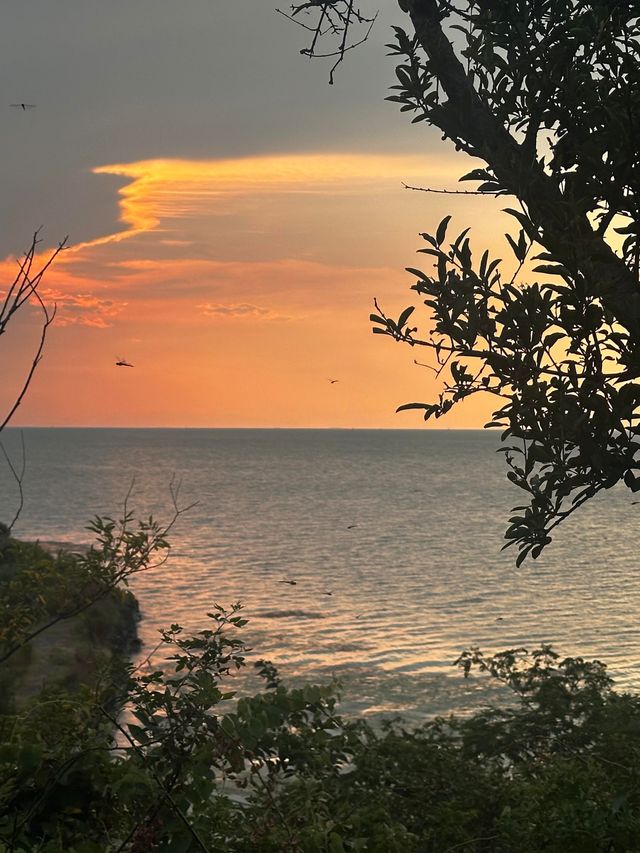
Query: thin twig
165	794
274	805
337	17
422	364
147	660
116	575
296	21
22	289
451	192
18	477
49	317
470	841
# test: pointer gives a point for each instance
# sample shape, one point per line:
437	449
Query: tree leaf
441	231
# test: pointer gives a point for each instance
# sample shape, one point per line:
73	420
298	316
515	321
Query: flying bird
291	583
24	107
327	592
121	362
351	526
333	381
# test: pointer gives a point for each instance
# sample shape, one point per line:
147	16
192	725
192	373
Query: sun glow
250	279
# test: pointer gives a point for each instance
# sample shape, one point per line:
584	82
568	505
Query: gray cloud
120	81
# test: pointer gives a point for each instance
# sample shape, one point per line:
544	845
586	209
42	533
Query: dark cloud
121	81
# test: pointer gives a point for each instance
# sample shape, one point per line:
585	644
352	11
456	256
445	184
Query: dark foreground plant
544	95
46	591
164	760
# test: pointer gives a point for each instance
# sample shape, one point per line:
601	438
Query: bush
186	767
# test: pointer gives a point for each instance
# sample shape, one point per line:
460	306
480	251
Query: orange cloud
84	309
166	189
242	310
240	245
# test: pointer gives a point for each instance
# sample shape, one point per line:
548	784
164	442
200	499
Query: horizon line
301	428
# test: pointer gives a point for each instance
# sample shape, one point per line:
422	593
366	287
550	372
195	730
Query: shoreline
75	651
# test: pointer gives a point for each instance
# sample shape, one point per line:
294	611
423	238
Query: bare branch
335	19
23	288
49	317
18	476
164	793
122	556
451	192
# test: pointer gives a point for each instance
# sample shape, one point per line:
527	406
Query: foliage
47	591
184	769
170	759
546	95
76	778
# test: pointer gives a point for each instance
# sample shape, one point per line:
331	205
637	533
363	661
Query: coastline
76	651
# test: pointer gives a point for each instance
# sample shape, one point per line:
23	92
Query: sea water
392	537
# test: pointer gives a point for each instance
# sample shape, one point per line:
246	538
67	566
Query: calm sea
402	527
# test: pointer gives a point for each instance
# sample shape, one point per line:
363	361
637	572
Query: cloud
82	309
243	310
223	238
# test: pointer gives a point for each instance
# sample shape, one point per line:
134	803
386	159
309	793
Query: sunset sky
231	217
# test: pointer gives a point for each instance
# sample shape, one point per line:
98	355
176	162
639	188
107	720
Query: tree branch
568	236
21	290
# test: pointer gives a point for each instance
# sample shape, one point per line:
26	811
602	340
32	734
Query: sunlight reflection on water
403	528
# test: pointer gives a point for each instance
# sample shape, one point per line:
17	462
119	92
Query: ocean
402	527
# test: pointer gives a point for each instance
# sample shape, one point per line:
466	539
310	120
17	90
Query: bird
351	526
121	362
333	381
327	592
24	107
291	583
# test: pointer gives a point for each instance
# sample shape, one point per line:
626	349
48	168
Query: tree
546	94
20	292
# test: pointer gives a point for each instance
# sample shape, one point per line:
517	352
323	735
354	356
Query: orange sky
238	288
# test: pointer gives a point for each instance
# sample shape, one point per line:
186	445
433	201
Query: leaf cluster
555	87
563	368
546	94
170	759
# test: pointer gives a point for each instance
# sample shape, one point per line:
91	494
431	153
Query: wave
287	614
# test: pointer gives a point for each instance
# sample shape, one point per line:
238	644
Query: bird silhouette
24	107
291	583
333	381
351	526
327	592
121	362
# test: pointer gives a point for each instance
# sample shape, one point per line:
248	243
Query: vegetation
546	95
34	584
185	768
22	291
107	757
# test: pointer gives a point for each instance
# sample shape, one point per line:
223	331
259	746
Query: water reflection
403	528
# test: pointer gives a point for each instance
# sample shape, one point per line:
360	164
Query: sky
230	216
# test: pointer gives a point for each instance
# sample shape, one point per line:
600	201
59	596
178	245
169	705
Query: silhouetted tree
20	292
546	94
